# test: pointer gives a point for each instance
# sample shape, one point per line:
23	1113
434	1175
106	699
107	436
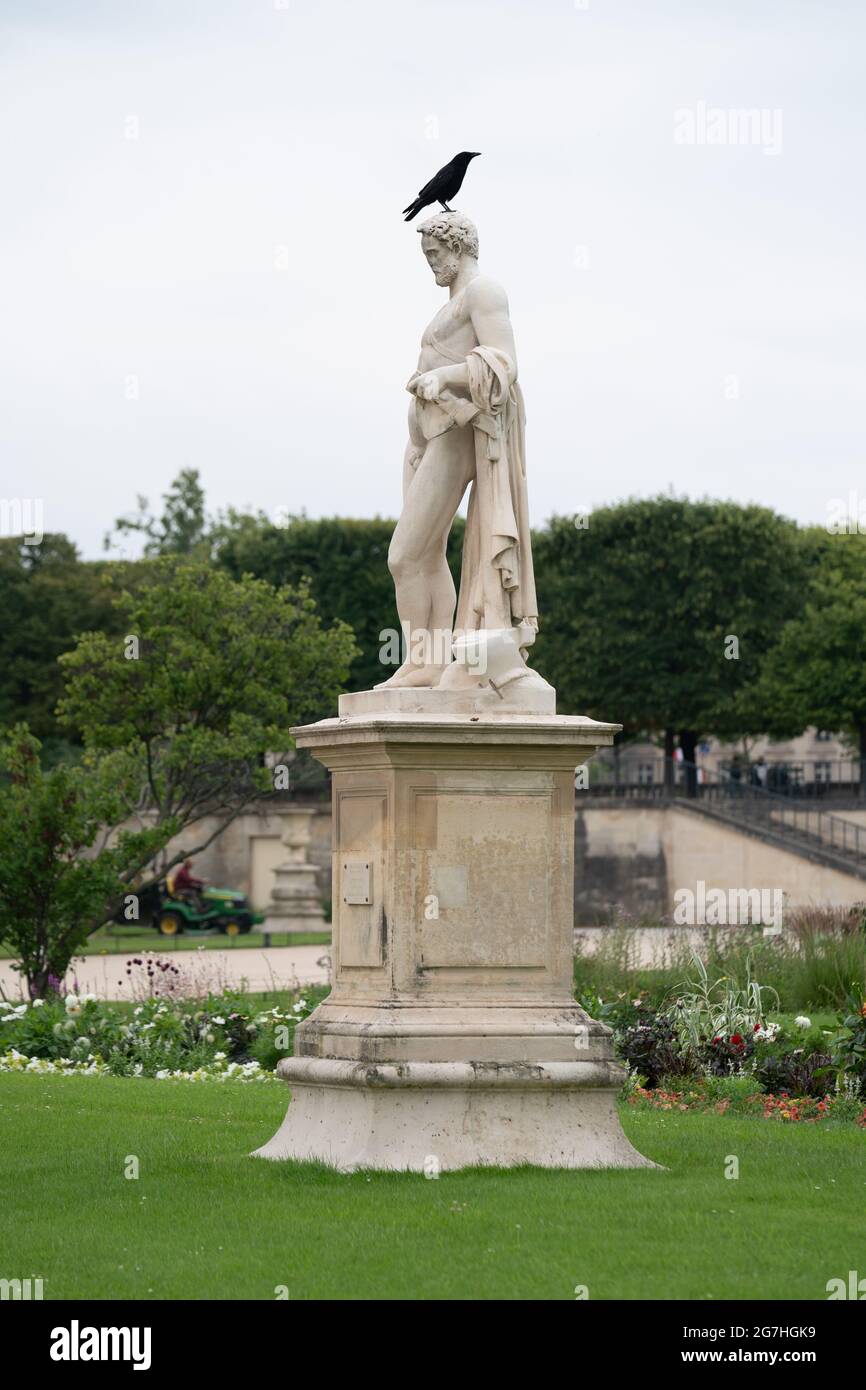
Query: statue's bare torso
437	470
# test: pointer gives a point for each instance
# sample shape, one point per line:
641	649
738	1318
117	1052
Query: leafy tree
816	673
658	612
51	886
209	676
345	563
48	595
182	528
177	715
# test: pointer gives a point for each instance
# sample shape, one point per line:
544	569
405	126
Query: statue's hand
427	386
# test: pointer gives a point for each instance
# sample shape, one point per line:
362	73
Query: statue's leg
411	460
422	579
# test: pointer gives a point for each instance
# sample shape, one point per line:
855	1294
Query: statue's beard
447	273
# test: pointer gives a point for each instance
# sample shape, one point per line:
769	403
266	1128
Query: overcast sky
204	263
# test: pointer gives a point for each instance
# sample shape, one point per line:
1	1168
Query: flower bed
225	1036
720	1029
705	1098
93	1065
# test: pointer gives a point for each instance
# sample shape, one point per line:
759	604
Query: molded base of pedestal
435	1116
530	695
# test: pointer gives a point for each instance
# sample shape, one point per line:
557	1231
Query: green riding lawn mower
204	913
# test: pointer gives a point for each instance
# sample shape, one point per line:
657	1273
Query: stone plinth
531	696
295	905
451	1036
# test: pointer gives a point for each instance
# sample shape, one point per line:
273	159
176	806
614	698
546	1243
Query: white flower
217	1019
801	1021
38	1003
768	1033
12	1060
73	1005
209	1037
219	1056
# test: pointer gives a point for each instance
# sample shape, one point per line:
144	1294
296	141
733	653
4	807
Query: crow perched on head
442	186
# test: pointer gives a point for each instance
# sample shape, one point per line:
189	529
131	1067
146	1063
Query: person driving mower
184	885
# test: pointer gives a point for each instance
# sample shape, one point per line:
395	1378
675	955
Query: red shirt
183	879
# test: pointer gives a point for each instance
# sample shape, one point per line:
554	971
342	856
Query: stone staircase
787	822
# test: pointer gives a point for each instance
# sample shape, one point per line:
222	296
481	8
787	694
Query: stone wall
635	857
619	863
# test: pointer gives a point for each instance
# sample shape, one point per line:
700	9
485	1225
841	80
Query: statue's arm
488	309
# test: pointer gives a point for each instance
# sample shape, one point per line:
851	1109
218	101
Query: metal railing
803	776
813	778
738	799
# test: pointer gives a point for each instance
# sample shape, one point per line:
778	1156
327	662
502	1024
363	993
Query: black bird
442	186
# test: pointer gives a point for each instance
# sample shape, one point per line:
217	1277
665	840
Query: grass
123	939
811	969
205	1221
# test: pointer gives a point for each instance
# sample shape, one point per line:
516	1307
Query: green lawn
123	939
206	1221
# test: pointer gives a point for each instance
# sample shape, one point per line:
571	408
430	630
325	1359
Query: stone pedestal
295	905
451	1036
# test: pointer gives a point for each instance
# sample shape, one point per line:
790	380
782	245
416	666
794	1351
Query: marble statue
466	430
451	1037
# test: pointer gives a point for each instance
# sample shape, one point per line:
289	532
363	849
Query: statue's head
447	240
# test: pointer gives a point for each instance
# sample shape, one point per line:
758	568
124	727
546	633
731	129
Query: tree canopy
816	672
345	563
47	596
658	612
177	713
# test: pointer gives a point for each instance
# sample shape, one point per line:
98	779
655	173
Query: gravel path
281	968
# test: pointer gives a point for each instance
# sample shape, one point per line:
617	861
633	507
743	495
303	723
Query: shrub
728	1054
848	1048
650	1047
796	1073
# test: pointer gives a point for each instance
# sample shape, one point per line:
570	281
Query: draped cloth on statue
497	583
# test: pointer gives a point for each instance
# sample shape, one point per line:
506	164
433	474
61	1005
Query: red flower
736	1040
